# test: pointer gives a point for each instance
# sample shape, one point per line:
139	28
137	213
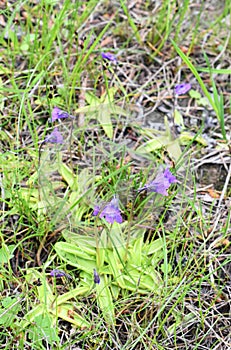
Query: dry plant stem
70	153
223	49
41	246
218	213
114	71
2	194
213	244
82	99
97	247
225	186
39	164
130	219
215	157
97	243
20	300
210	326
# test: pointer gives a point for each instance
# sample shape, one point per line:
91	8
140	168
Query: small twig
81	119
2	194
225	186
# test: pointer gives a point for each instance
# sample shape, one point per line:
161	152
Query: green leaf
154	246
115	291
6	253
186	137
30	316
67	313
9	310
86	242
4	70
104	299
153	145
68	176
102	109
105	120
80	290
214	70
75	256
194	94
91	98
136	255
43	329
203	102
115	267
75	250
178	119
174	150
116	237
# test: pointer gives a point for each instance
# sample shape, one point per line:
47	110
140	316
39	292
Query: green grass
164	272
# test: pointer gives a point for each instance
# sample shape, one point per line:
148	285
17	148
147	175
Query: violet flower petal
161	183
59	273
183	88
109	56
110	212
54	137
96	277
58	113
168	175
96	210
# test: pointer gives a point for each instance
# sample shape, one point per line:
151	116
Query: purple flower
168	175
161	183
109	56
59	273
96	210
182	88
54	137
96	277
110	212
58	114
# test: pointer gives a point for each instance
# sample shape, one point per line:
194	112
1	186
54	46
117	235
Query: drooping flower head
59	273
54	137
110	212
58	113
161	183
96	277
109	57
183	88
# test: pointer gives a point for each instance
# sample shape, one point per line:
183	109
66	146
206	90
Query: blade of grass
197	76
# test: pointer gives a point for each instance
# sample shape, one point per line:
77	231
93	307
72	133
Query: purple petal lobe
96	210
110	212
168	175
54	137
59	273
183	88
96	277
109	56
161	183
58	114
